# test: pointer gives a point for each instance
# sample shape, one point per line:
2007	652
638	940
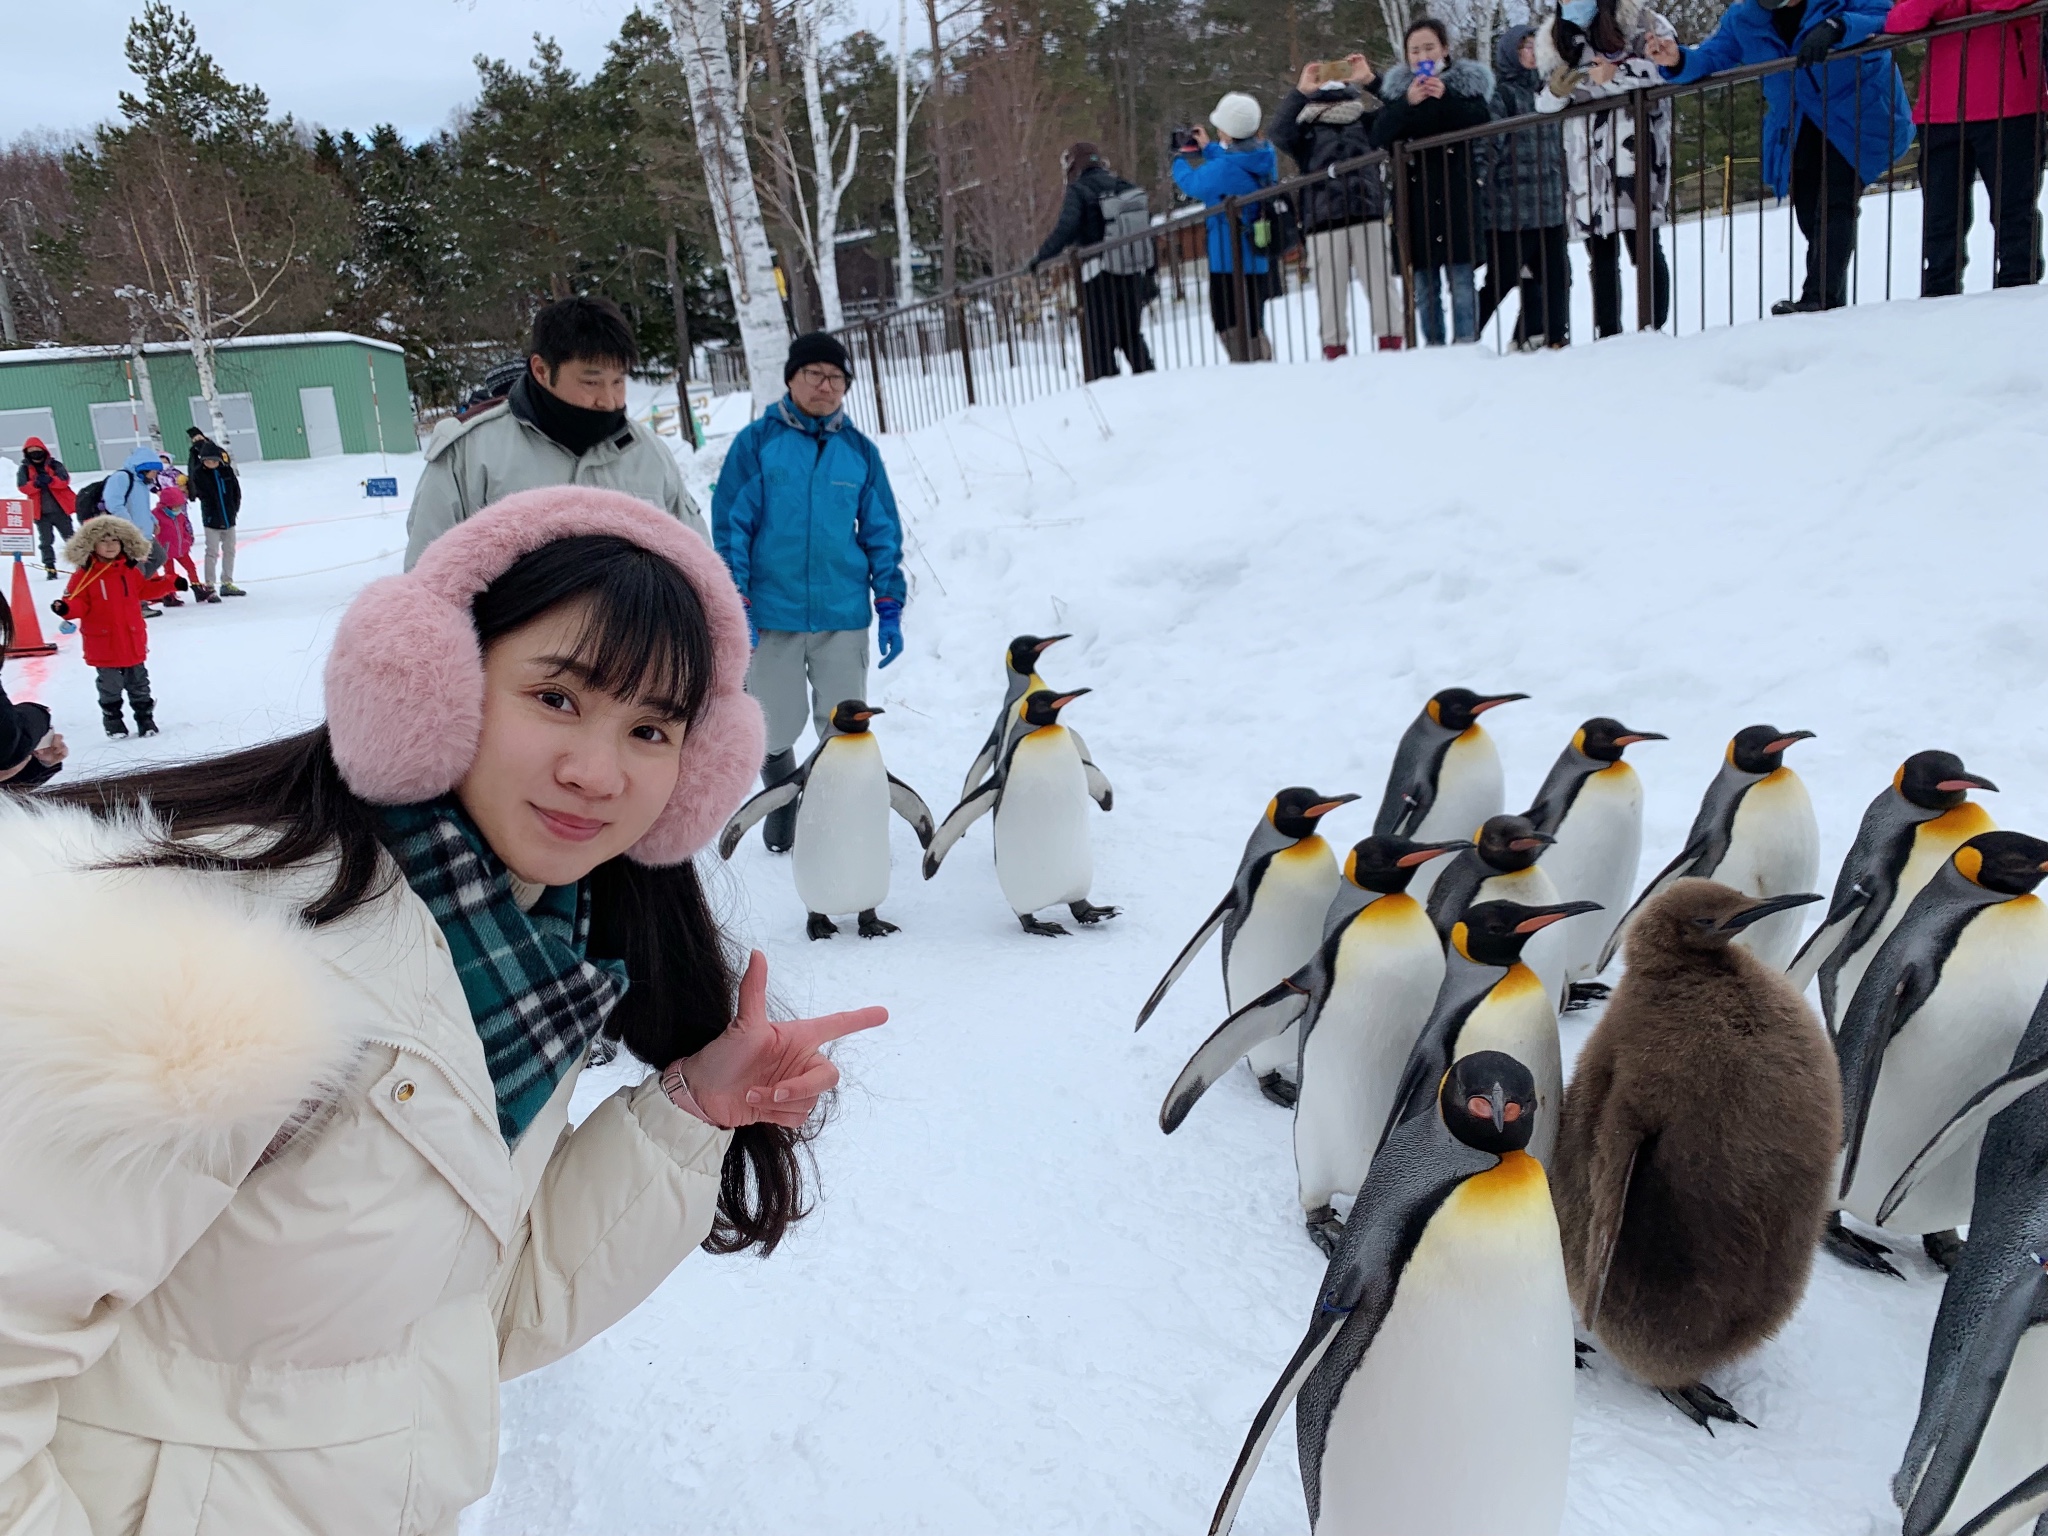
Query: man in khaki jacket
564	423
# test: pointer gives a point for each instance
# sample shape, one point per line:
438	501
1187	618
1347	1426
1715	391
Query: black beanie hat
818	347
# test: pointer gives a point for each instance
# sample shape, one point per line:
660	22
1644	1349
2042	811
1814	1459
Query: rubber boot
778	830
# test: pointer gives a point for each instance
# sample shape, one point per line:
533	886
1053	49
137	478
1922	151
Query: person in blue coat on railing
1240	163
806	522
1830	127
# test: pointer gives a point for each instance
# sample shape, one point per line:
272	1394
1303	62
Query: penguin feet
1944	1248
1701	1403
1042	929
1581	994
1325	1230
872	927
819	926
1278	1089
1085	912
1581	1349
1853	1248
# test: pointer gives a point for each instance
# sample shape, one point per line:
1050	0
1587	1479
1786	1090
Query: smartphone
1426	68
1333	72
1184	141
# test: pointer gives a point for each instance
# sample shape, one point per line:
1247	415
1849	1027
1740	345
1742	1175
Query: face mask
1580	13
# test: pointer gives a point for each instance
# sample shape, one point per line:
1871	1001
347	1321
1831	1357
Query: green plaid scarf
537	999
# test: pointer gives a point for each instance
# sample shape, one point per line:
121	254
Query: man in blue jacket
1829	128
805	520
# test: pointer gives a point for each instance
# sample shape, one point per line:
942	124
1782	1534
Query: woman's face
1525	55
1424	45
565	776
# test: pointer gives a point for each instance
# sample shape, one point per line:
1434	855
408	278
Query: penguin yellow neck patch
1518	1180
1969	864
1519	981
1964	821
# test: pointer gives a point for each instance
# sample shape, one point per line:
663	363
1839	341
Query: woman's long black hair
644	637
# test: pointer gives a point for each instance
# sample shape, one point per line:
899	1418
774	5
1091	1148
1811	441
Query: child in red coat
106	595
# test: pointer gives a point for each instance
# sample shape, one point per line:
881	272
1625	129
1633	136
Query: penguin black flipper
1416	1172
958	820
1210	925
1835	929
2021	1306
1603	1234
1695	853
909	804
1969	1122
1098	783
2023	1492
1264	1017
1861	1044
773	798
1454	890
1428	1060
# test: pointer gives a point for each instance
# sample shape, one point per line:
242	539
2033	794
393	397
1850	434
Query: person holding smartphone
1239	162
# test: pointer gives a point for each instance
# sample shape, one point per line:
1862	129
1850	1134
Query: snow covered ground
1019	1308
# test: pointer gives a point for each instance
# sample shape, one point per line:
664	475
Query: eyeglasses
822	378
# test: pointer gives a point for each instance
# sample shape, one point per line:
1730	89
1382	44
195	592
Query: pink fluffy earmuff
405	678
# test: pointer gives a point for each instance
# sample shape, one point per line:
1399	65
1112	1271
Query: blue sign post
381	485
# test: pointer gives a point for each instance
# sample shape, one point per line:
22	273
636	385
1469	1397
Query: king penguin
1358	1005
1980	1443
1039	793
1591	805
843	796
1434	1384
1936	1019
1271	918
1755	831
1020	671
1500	865
1908	832
1446	776
1696	1151
1490	1001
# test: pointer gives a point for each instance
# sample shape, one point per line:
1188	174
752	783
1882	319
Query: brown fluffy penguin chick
1696	1148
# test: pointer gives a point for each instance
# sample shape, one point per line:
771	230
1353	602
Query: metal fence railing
1711	242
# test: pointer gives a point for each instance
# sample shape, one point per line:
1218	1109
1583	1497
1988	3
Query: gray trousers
834	662
113	681
220	545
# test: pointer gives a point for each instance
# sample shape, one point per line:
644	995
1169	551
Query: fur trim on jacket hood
1465	77
1636	20
134	1053
134	542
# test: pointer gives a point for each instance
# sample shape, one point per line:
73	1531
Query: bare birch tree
905	280
828	184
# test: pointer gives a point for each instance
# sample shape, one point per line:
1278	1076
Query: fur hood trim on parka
212	1019
1336	106
1465	77
1636	20
134	542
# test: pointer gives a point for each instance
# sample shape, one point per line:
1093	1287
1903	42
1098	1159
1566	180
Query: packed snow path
1019	1308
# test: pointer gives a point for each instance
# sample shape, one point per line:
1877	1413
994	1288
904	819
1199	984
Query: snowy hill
1019	1308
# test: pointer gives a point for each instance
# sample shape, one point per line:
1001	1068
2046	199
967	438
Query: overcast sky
351	64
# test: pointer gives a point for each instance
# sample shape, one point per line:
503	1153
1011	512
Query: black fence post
1646	228
875	373
1234	220
959	306
1403	216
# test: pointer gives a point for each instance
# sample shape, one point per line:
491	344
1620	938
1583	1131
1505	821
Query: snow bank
1019	1308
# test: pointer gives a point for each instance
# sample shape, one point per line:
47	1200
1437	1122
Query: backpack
1276	227
91	502
1127	213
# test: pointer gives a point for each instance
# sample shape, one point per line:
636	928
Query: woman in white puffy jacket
287	1184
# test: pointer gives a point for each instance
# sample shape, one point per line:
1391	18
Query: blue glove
890	613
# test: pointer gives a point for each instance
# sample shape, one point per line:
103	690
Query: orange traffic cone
28	631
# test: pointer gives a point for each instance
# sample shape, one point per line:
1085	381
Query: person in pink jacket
1980	114
174	532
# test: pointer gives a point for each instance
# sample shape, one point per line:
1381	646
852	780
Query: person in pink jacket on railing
1980	113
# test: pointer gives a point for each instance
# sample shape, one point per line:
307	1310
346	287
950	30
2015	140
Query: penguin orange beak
1426	852
868	714
1766	908
1047	642
1548	915
1964	781
1061	701
1495	700
1630	738
1324	807
1533	840
1786	740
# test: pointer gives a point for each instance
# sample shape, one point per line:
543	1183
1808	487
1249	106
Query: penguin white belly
1042	853
2013	1447
1544	953
841	858
1934	844
1469	788
1519	1016
1278	937
1412	1447
1388	969
1599	844
1773	850
1962	1037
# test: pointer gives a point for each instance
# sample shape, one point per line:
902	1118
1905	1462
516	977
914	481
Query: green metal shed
285	397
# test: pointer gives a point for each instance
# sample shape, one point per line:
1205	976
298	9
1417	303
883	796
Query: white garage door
323	423
18	426
240	410
115	431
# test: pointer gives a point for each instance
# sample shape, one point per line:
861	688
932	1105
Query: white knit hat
1237	116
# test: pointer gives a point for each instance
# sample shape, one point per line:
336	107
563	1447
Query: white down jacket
193	1343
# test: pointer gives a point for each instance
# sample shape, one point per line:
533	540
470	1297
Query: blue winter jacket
1221	173
1860	104
806	522
127	494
